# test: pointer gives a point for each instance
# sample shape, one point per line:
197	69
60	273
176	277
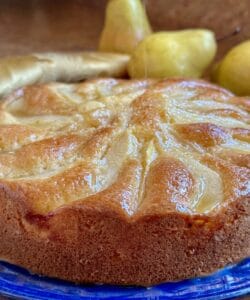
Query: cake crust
124	181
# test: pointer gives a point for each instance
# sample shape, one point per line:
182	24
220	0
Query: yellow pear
185	53
126	24
233	72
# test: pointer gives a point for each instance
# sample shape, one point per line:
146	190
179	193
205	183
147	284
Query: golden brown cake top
137	147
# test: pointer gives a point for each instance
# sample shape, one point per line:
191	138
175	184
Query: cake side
84	243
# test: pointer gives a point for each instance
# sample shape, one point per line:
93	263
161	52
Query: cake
131	182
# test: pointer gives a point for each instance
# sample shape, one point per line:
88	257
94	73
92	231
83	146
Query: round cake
131	182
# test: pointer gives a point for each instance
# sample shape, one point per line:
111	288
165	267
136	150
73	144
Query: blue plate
233	281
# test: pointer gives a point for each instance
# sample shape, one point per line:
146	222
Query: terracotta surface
63	25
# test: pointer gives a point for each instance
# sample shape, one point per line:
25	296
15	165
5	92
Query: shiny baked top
138	146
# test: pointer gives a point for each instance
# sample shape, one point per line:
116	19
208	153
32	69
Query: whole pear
126	24
185	53
233	72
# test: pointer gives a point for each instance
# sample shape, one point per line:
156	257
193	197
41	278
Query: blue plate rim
232	281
